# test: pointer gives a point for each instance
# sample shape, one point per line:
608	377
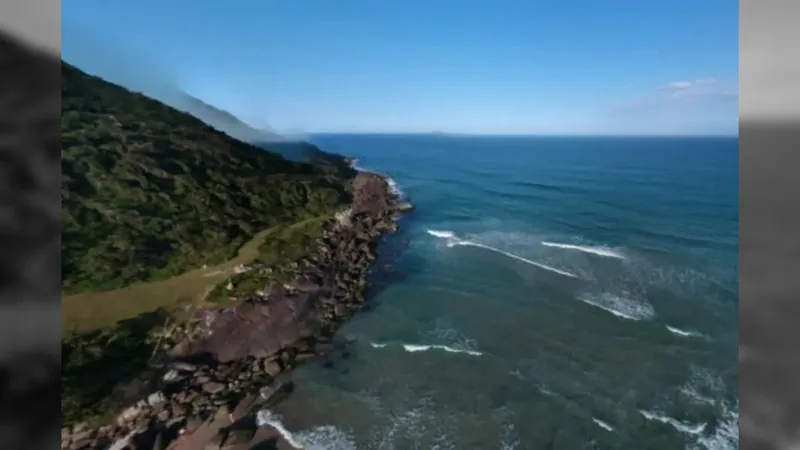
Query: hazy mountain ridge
293	149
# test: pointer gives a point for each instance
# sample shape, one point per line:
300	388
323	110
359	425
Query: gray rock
130	413
164	415
272	367
267	392
173	376
212	387
237	437
81	436
216	442
80	444
184	367
178	409
193	423
156	398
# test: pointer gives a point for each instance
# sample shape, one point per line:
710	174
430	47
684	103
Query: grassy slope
149	192
90	311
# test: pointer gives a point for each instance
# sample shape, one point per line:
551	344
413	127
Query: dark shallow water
557	293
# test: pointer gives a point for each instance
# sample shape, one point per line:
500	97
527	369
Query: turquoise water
549	293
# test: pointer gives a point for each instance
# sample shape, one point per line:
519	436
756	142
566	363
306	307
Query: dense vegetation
277	260
104	369
149	192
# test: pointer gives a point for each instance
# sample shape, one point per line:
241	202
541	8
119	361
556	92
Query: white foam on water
545	390
453	241
725	436
407	429
325	437
619	306
679	332
508	438
413	348
602	424
443	234
683	427
394	188
691	392
703	386
354	165
594	250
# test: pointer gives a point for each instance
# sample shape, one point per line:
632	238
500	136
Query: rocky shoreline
217	370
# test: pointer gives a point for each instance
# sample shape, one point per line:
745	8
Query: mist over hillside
141	73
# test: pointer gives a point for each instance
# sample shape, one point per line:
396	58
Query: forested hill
149	191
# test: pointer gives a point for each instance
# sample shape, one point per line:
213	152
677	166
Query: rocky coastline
219	368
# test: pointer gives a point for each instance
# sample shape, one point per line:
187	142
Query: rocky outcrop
403	207
328	288
232	359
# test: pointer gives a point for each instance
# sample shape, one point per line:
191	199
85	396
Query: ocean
547	293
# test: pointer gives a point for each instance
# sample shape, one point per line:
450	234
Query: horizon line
456	134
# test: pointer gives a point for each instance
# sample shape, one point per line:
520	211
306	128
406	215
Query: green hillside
149	192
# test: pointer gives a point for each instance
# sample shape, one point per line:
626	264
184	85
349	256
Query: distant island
197	267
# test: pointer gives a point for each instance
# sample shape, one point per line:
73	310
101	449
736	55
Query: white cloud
691	105
682	94
701	88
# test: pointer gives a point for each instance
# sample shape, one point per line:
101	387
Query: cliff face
149	191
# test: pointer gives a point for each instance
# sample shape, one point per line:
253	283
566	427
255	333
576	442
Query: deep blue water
554	293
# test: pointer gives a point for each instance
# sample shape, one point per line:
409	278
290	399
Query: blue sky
462	66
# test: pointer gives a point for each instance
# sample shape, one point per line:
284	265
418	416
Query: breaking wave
442	234
453	241
622	307
599	251
724	437
683	427
602	424
680	332
319	438
726	434
413	348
